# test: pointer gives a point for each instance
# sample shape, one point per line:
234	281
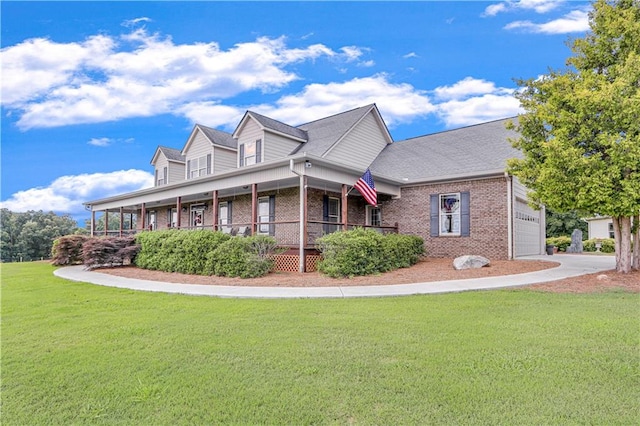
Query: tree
559	224
580	133
30	235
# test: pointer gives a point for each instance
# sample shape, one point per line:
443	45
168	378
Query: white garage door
527	229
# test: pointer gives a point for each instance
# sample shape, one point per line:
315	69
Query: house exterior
296	184
600	227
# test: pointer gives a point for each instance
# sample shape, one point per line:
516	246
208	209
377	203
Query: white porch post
303	222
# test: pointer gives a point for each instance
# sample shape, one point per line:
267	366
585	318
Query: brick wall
488	215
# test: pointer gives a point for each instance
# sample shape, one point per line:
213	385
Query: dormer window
161	177
251	153
200	166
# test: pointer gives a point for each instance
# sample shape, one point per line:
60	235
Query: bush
109	251
608	245
67	250
178	251
560	242
248	257
365	252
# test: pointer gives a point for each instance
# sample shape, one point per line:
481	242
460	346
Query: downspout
301	239
509	215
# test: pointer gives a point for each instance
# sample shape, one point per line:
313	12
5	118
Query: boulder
470	262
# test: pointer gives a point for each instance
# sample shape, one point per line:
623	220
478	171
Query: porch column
121	219
214	207
178	212
303	224
143	213
254	207
130	221
93	222
345	207
106	223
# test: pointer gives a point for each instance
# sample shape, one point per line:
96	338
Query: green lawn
76	353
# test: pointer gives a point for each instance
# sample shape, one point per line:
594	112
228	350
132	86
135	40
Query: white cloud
100	141
132	22
67	193
539	6
410	55
472	101
51	84
574	21
212	114
398	103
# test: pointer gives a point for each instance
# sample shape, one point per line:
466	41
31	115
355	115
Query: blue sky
90	89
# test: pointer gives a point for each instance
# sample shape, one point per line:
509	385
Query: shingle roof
218	137
172	154
323	133
476	149
275	125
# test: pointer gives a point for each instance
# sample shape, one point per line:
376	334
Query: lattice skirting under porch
290	263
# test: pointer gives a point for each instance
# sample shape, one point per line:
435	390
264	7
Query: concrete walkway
569	266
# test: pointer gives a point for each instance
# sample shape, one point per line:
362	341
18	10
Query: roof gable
326	133
171	154
271	125
215	137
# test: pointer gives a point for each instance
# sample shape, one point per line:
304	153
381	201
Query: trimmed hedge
366	251
248	257
608	245
561	242
204	252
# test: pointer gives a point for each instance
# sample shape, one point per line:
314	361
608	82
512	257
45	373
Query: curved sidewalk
569	266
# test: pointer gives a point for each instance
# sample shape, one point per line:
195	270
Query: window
151	220
161	177
611	233
266	213
251	153
331	213
224	215
374	216
173	218
200	166
450	214
197	215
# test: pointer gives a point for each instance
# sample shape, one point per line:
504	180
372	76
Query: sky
90	89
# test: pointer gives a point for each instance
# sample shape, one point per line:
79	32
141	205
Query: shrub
561	242
365	252
108	251
178	251
67	250
608	245
248	257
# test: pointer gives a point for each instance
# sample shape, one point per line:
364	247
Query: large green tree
580	133
30	235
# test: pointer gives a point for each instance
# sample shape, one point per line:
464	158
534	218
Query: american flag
367	188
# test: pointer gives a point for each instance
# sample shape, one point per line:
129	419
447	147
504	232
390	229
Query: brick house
296	184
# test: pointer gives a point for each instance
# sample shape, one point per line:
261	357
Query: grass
75	353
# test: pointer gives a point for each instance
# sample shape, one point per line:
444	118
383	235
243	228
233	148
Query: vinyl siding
177	172
250	133
200	146
277	146
224	159
361	146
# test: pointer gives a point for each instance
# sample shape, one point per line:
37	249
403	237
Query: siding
277	146
200	146
224	159
361	146
250	133
177	172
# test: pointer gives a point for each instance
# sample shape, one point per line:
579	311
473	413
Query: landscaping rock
576	242
470	262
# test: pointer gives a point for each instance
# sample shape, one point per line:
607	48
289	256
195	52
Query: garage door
527	229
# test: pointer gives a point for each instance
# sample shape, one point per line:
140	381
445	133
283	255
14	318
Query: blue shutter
229	214
208	164
258	150
465	216
156	178
434	222
188	169
241	149
325	213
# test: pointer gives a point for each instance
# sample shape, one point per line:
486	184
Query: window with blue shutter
450	214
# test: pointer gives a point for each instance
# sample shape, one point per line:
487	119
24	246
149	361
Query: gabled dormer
169	165
261	139
208	151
